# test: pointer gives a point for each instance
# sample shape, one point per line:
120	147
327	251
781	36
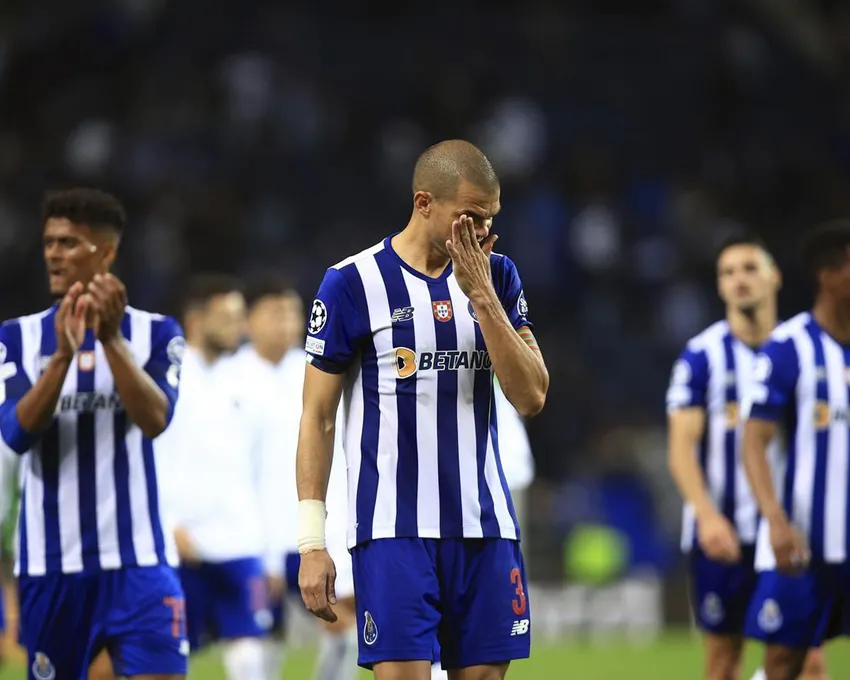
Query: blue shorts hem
487	657
368	661
726	631
781	640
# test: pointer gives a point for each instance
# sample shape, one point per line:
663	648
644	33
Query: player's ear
107	244
422	201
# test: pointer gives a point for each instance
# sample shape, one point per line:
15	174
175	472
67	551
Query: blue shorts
721	593
801	611
466	595
225	601
291	565
137	614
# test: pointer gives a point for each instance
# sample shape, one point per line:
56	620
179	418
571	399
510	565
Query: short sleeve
334	328
688	381
508	286
167	349
774	379
14	384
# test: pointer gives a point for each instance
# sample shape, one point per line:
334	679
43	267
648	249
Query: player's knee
489	672
723	657
783	663
814	667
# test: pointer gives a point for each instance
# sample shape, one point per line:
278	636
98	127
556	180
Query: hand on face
470	259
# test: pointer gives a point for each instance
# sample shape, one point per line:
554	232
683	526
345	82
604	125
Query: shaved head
441	167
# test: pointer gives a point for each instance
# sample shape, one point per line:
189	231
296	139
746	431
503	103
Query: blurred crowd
630	138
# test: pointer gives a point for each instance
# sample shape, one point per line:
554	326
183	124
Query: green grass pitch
675	657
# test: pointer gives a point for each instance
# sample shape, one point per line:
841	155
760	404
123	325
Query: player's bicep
685	428
322	392
758	433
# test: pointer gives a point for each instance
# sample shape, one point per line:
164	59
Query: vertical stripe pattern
90	499
817	472
729	364
420	433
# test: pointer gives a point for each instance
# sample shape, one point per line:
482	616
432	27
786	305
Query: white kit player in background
275	359
216	501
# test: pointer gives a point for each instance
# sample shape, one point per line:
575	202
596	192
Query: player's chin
59	286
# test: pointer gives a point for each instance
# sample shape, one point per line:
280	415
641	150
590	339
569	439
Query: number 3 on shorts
519	603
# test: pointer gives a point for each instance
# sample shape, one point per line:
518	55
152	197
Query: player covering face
409	332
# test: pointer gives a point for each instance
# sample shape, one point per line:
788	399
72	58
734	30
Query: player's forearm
314	457
312	473
145	403
689	478
757	437
35	410
521	371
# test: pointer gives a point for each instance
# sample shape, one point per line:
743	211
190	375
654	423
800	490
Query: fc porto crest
370	630
770	616
442	310
42	667
712	609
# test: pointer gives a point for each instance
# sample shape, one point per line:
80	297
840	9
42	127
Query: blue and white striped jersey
714	373
801	381
420	431
90	499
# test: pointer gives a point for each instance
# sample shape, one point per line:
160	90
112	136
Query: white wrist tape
311	525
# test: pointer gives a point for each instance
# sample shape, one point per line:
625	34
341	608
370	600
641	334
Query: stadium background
630	136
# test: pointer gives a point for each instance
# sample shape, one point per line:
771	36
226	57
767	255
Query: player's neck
752	329
834	318
273	355
208	354
414	246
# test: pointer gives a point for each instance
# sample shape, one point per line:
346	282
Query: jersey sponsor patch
522	305
318	317
315	346
176	349
471	311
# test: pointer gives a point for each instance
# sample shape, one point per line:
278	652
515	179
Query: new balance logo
520	627
402	314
